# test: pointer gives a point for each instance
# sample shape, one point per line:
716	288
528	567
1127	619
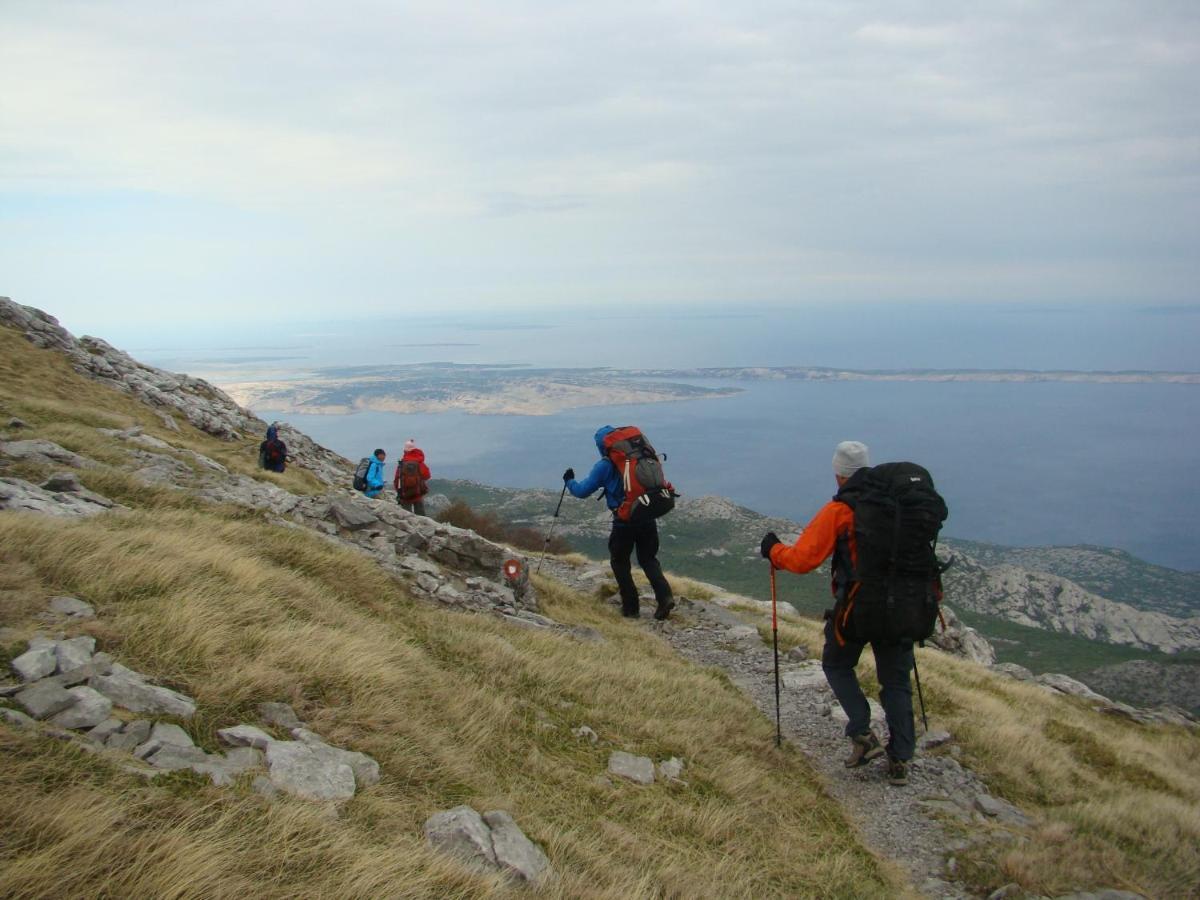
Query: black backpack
271	453
360	473
894	591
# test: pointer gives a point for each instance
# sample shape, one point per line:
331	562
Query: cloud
895	34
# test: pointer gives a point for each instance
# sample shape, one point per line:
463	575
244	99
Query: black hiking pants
893	662
621	544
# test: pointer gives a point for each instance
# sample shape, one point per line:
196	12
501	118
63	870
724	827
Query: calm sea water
1019	464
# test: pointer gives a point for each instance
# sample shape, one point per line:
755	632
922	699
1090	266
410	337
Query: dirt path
902	824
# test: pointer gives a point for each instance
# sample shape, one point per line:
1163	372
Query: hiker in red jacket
412	479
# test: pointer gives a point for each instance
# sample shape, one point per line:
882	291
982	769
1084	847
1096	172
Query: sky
241	161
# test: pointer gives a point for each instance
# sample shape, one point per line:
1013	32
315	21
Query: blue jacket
375	480
603	475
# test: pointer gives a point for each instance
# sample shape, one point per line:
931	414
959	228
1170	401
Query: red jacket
818	540
417	456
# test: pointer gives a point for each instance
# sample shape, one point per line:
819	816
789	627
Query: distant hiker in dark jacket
625	538
412	479
272	453
375	480
831	533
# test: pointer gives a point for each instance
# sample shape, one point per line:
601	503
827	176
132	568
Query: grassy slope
454	707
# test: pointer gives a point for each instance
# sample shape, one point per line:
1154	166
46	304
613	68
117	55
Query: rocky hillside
223	681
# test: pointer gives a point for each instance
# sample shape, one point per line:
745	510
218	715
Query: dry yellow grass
1118	803
453	706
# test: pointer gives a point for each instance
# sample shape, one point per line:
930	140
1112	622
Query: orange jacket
818	540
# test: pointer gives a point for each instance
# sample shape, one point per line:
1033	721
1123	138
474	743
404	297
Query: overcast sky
187	161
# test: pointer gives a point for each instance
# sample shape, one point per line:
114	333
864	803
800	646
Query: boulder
639	769
72	607
130	691
243	759
365	769
45	698
62	483
585	732
796	654
1001	810
167	734
671	769
931	739
1013	670
74	653
105	730
16	717
36	663
42	451
515	854
297	769
129	738
174	758
89	709
808	677
960	639
245	736
461	832
1064	684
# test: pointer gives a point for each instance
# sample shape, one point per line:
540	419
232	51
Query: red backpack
411	485
648	494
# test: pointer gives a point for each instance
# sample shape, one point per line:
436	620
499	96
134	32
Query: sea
1022	464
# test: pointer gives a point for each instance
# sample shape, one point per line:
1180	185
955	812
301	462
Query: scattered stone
243	759
1002	893
1001	810
297	769
462	833
36	663
1065	684
639	769
89	709
16	717
72	607
44	699
1013	670
1106	894
42	451
279	714
74	653
797	654
808	677
932	739
742	632
514	852
101	664
167	734
14	422
588	633
130	691
671	769
8	688
245	736
365	769
105	730
62	483
174	758
585	732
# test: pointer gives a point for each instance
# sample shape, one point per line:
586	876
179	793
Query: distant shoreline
1008	376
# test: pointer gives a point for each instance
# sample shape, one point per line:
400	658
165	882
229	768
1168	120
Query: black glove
769	541
569	475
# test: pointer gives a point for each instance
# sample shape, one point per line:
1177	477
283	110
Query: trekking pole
920	696
775	642
550	535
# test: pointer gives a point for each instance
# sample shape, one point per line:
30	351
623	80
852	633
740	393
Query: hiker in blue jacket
625	537
375	481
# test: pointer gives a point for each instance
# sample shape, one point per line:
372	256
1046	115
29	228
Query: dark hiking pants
893	662
621	544
415	506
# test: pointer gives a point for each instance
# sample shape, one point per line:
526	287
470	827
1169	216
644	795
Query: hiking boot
864	748
630	614
664	608
897	772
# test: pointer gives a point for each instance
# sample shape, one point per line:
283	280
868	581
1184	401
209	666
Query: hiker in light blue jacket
375	480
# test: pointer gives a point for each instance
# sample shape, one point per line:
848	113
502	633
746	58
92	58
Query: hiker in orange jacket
831	534
412	479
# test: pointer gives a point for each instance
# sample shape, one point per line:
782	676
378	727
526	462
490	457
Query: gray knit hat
849	457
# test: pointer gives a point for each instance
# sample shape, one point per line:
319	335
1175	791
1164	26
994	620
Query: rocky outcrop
492	842
1039	600
22	496
171	395
952	635
1143	682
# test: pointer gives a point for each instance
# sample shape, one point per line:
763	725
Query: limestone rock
105	730
797	654
461	832
129	690
167	734
1001	810
132	736
1064	684
74	653
961	640
639	769
297	769
514	852
585	732
44	699
243	759
42	451
671	769
174	758
878	717
807	677
62	483
245	736
72	607
743	632
932	739
22	496
279	714
89	709
350	515
263	785
1013	670
36	663
365	769
16	717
